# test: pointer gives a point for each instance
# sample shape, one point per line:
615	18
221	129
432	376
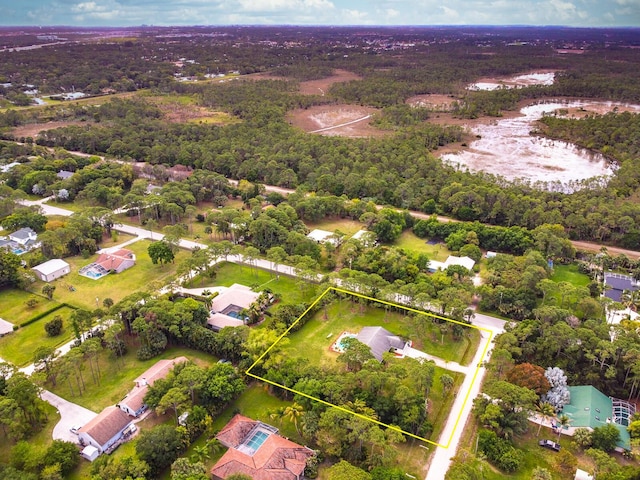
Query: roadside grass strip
467	394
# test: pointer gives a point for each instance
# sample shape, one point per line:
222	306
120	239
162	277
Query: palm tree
563	421
293	413
546	411
201	453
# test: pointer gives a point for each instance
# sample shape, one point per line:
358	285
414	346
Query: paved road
70	415
452	432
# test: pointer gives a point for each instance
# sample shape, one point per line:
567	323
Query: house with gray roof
64	174
380	341
617	283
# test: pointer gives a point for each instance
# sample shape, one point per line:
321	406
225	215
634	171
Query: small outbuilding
49	271
90	453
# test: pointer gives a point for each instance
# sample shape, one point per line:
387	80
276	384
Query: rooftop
52	266
275	458
379	340
106	424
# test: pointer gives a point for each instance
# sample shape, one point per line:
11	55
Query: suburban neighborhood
297	252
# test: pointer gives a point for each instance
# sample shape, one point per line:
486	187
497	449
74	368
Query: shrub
54	327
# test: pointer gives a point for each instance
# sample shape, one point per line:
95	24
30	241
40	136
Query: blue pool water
257	440
234	314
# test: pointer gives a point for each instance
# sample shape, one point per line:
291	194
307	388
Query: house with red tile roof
256	450
116	262
133	403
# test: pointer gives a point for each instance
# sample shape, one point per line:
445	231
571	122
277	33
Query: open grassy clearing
291	289
571	274
318	334
345	225
409	241
117	376
19	346
13	306
144	275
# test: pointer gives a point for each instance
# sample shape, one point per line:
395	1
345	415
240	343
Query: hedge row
45	313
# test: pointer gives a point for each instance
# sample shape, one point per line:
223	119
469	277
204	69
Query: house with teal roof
590	408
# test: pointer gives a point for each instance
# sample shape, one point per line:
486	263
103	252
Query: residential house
64	174
133	403
380	341
322	236
465	262
117	262
617	283
590	408
256	450
24	236
106	430
226	308
52	269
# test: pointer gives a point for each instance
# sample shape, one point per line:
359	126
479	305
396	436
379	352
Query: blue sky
579	13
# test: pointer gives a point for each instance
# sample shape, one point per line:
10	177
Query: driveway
70	415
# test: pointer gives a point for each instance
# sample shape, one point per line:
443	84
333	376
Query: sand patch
436	102
32	129
321	86
336	120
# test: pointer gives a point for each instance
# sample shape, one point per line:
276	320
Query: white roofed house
51	270
226	308
105	431
465	262
133	403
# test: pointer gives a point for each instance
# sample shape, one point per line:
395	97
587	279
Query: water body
541	78
507	149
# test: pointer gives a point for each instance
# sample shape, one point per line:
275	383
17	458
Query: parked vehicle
549	444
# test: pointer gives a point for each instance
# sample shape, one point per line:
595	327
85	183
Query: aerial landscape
314	240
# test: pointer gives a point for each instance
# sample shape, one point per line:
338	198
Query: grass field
19	346
116	286
345	225
292	290
409	241
117	377
319	334
13	305
570	273
314	340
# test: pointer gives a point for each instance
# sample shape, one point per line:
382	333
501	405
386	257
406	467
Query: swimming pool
256	441
340	344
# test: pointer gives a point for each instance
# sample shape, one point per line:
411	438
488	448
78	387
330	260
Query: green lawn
13	305
570	273
319	334
142	276
117	378
291	289
345	225
19	346
409	241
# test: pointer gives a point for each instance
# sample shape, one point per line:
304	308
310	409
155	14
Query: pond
506	148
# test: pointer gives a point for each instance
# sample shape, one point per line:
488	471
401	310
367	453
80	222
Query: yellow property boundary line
335	289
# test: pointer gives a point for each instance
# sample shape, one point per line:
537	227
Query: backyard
117	376
410	241
83	292
318	334
570	273
18	347
292	290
